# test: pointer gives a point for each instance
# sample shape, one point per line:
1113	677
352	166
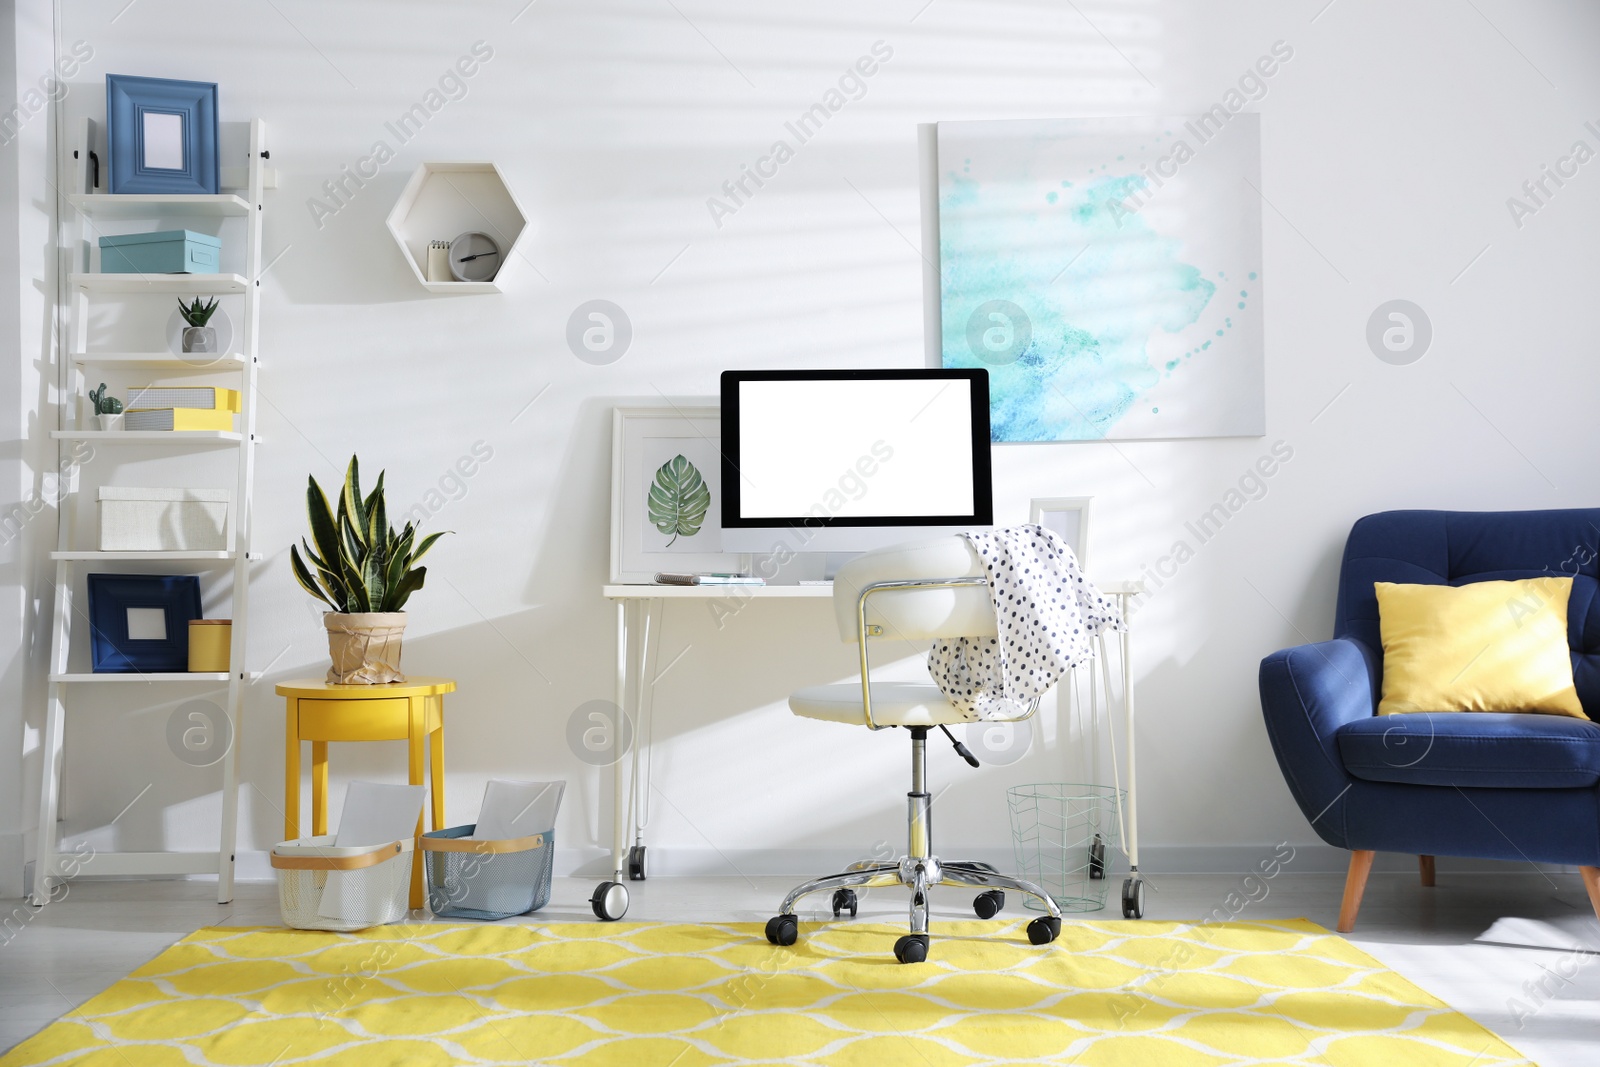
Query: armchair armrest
1307	693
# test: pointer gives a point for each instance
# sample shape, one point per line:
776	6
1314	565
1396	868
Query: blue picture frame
111	596
161	135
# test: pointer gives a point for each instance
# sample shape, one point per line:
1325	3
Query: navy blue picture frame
110	597
128	100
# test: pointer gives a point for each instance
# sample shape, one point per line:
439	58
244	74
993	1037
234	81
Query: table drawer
354	720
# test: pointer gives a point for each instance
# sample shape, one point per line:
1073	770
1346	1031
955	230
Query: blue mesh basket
486	879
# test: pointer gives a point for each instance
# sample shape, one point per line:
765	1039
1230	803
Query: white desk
639	613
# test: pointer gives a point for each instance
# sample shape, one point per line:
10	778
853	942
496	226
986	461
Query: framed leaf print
666	492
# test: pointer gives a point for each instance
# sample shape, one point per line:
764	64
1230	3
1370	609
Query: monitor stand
802	567
832	561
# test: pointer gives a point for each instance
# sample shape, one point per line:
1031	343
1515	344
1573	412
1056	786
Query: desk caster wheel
783	929
1097	858
988	904
1133	898
636	863
842	899
1044	929
912	948
610	901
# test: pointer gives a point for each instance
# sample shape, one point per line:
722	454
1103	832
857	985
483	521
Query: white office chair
918	592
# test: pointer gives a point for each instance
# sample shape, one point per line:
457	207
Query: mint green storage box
167	252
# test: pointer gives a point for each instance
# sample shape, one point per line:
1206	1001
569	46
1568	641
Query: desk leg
619	798
291	771
643	732
319	787
1127	709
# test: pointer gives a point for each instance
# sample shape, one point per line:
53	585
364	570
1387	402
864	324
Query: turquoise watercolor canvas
1107	272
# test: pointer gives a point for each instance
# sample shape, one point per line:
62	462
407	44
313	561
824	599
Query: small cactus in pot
197	335
107	408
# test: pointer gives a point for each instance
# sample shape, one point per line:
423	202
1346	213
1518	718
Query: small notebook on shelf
206	397
677	578
178	419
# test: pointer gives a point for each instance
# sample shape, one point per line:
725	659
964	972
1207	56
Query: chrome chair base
919	875
919	871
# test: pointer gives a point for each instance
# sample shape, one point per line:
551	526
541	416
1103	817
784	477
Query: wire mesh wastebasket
1063	834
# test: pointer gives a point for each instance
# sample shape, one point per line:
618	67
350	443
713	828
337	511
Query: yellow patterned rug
1107	993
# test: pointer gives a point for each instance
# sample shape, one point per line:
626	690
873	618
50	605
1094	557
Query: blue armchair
1493	786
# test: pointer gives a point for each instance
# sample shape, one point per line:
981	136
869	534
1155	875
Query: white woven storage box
375	885
164	520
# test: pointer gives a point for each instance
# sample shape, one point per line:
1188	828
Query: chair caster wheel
912	948
636	863
1133	898
1044	929
988	904
610	901
783	929
1097	858
842	899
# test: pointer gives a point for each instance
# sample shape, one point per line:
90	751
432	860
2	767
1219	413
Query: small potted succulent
107	408
364	570
197	336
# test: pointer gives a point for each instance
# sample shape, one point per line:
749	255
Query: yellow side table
318	711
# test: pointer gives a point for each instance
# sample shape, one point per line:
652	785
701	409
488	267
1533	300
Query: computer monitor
850	460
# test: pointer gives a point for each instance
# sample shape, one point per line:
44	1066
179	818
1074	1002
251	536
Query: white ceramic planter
199	339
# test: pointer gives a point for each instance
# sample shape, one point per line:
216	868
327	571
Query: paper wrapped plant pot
365	646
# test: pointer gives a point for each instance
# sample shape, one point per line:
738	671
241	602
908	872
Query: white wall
1391	141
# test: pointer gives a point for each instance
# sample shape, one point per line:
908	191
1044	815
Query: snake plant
360	563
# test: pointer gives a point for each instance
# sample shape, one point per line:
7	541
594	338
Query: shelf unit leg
49	795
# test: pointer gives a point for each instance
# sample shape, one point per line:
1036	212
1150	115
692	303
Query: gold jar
209	643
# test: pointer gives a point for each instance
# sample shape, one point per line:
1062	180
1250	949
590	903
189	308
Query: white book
374	813
517	809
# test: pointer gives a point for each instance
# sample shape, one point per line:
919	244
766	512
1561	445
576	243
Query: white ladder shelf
78	210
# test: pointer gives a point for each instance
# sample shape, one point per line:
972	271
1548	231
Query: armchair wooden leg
1355	883
1591	882
1426	865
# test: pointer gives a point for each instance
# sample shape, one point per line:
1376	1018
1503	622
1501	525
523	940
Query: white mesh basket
372	883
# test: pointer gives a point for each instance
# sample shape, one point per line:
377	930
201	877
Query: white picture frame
1068	517
642	439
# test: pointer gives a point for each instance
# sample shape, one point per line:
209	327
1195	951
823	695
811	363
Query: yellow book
207	397
178	419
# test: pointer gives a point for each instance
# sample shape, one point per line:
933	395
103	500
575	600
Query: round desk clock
474	257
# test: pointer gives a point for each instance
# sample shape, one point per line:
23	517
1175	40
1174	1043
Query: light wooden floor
1518	952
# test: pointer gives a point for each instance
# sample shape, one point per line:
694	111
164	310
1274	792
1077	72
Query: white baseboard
12	856
1314	858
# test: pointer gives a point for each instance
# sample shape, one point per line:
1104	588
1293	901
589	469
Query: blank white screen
855	448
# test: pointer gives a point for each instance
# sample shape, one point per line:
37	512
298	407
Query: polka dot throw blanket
1049	611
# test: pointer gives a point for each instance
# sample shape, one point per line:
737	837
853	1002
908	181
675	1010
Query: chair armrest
1307	693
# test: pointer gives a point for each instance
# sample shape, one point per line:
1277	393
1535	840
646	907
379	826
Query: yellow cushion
1488	646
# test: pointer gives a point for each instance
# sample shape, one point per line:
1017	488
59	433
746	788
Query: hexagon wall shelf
443	200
